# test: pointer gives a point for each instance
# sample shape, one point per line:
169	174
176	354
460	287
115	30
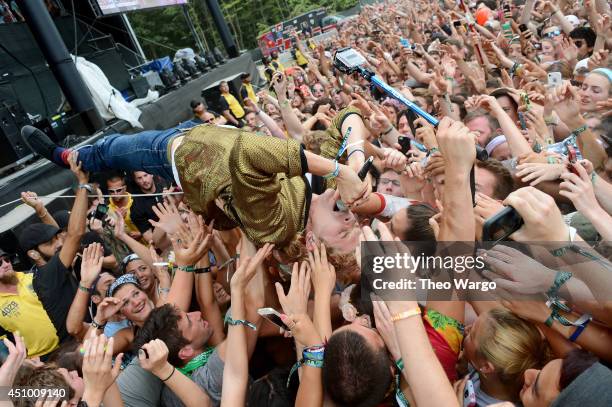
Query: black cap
36	234
3	253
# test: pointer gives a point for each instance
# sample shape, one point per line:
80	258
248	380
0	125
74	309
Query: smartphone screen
273	316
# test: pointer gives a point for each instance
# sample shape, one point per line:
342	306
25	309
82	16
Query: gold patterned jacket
258	180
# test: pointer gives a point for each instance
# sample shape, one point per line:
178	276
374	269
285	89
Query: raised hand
534	173
384	326
296	300
579	189
515	272
153	357
98	370
302	329
353	190
323	274
169	218
248	267
599	59
564	99
17	353
32	200
107	308
190	246
543	220
457	144
75	167
91	265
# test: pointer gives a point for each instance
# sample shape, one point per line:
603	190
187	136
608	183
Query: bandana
196	362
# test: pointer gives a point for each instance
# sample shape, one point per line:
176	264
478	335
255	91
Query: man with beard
22	311
53	280
141	210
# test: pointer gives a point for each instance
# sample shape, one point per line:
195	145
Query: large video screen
107	7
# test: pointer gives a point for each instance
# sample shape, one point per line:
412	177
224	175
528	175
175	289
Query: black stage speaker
12	119
111	63
140	86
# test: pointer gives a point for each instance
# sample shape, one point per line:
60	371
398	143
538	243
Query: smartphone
507	11
404	142
457	23
554	79
525	100
501	225
521	117
571	156
101	212
469	395
273	316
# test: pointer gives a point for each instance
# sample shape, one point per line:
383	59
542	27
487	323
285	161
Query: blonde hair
314	139
345	264
512	345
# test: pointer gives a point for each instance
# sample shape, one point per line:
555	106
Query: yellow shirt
129	225
300	59
279	66
234	106
250	92
23	312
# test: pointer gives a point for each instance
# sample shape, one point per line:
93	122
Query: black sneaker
38	142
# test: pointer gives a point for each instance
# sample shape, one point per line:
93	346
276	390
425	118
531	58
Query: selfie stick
481	153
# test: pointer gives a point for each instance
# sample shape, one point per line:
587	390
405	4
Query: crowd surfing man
529	82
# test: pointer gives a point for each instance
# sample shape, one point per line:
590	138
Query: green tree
163	31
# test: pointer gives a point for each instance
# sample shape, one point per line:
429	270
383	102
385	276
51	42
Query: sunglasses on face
116	191
208	121
552	34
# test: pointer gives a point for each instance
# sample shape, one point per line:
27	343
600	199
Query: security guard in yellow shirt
246	90
230	107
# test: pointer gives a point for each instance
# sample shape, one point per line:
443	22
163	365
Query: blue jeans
145	151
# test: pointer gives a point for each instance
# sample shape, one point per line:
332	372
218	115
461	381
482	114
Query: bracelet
406	314
578	131
400	364
561	278
334	173
202	270
168	378
581	324
164	290
389	130
433	150
363	152
593	176
234	322
188	269
44	214
311	356
83	288
96	325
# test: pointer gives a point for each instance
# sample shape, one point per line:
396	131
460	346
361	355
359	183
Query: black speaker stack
13	152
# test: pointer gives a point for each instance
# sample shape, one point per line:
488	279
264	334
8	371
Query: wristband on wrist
84	289
188	269
335	172
389	130
202	270
560	278
234	322
359	150
170	375
96	325
311	356
581	324
578	131
406	314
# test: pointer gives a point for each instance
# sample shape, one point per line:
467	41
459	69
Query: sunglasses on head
552	34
